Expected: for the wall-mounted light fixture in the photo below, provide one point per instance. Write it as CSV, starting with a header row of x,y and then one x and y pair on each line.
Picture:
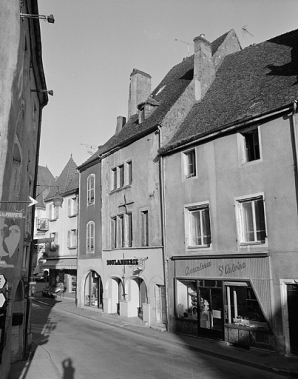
x,y
50,92
49,18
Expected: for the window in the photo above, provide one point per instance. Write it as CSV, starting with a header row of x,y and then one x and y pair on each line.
x,y
72,207
129,229
113,233
197,226
90,189
42,224
113,178
251,220
72,239
250,145
242,307
121,231
144,228
54,242
187,299
129,172
53,212
189,163
121,176
90,237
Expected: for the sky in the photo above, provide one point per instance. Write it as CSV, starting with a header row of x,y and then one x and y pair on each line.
x,y
93,46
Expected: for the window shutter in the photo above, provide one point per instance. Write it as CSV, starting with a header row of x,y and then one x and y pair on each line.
x,y
69,207
68,239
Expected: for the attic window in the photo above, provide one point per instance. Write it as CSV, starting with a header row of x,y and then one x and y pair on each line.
x,y
142,115
159,91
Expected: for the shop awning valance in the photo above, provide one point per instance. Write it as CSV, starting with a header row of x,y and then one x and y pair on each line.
x,y
61,264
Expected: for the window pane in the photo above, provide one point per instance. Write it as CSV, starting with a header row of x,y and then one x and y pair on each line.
x,y
260,220
247,220
195,228
190,163
206,227
186,299
121,176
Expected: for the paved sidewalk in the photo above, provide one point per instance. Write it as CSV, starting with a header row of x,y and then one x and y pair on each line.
x,y
41,365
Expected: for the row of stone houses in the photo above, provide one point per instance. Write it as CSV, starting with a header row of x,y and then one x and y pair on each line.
x,y
188,213
22,97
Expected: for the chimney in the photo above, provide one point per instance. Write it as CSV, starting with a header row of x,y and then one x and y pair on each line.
x,y
121,120
139,90
204,70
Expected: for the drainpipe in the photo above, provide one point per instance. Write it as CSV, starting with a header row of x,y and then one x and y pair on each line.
x,y
162,211
294,148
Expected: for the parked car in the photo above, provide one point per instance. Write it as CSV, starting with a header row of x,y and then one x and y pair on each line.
x,y
53,291
38,277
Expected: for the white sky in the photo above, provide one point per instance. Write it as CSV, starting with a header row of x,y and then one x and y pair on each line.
x,y
93,46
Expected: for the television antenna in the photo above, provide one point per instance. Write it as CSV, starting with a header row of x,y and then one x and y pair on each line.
x,y
244,30
91,148
187,43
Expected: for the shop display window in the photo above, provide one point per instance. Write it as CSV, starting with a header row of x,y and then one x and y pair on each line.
x,y
242,307
186,299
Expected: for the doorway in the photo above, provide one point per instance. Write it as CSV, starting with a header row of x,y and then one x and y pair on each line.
x,y
210,310
292,300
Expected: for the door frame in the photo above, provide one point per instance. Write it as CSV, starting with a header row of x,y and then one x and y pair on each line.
x,y
209,332
285,314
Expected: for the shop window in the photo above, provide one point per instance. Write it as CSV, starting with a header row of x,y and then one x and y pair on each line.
x,y
73,283
242,307
91,189
93,290
189,160
197,226
251,220
187,299
90,237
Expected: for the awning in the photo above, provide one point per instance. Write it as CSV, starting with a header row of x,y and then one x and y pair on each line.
x,y
61,264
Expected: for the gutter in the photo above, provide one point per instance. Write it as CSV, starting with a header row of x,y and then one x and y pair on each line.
x,y
294,148
225,129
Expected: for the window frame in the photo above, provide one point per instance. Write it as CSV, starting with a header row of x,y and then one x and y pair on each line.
x,y
144,227
189,168
241,230
90,237
91,189
242,145
72,239
73,207
189,211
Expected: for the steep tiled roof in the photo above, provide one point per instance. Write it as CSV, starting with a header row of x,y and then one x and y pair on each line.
x,y
64,180
44,179
73,185
259,79
165,94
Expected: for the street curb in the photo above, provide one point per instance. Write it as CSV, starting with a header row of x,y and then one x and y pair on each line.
x,y
283,372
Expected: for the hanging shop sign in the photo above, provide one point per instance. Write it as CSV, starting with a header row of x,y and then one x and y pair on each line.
x,y
10,214
2,300
2,281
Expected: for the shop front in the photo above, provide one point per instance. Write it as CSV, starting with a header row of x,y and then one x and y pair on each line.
x,y
223,297
134,285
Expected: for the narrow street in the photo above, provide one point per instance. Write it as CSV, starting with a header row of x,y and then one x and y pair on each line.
x,y
81,348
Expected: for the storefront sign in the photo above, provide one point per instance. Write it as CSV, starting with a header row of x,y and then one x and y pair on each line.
x,y
200,267
8,214
122,262
231,268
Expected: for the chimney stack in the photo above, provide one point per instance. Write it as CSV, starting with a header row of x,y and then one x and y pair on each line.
x,y
121,120
204,70
139,90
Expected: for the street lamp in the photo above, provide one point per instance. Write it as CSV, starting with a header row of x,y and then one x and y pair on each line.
x,y
49,18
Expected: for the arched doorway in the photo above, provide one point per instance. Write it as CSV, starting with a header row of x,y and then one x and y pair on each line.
x,y
116,289
93,291
138,295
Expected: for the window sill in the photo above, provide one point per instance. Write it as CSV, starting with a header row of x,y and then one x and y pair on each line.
x,y
72,215
53,219
200,247
247,163
120,189
253,243
88,204
71,247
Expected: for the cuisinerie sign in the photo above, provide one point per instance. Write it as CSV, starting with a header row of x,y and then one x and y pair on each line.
x,y
123,262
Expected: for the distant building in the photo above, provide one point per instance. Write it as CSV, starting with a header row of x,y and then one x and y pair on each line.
x,y
45,181
61,238
20,119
